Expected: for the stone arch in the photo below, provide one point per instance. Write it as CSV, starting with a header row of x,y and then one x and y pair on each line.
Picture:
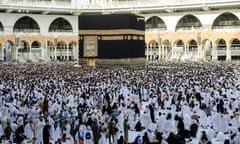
x,y
155,22
235,44
153,44
50,45
166,43
72,42
221,44
179,43
226,20
36,47
188,22
60,25
26,24
35,44
10,42
61,44
193,45
167,47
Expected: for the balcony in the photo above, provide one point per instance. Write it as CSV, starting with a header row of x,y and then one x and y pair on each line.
x,y
26,31
61,31
235,51
221,52
155,29
226,27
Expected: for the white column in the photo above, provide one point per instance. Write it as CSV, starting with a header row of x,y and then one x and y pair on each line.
x,y
30,53
55,52
147,53
159,52
63,54
165,50
16,53
76,52
2,53
162,51
67,52
151,54
72,53
214,52
199,52
185,49
228,58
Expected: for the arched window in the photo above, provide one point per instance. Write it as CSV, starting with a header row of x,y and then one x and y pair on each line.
x,y
60,25
26,24
188,22
226,20
166,43
155,23
61,45
35,44
36,47
153,44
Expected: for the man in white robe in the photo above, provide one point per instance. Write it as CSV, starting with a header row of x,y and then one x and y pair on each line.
x,y
160,126
39,130
29,130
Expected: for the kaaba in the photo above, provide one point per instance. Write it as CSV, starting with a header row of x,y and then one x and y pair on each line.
x,y
107,39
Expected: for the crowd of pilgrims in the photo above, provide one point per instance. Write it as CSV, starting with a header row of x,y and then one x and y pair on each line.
x,y
171,103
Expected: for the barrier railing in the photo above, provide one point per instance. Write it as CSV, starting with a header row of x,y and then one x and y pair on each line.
x,y
75,4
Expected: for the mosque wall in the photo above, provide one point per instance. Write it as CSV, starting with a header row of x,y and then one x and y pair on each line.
x,y
175,27
23,31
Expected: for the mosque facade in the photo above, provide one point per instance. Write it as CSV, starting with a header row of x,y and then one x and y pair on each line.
x,y
47,30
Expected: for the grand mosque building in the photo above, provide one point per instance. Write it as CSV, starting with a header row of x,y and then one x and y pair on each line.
x,y
190,30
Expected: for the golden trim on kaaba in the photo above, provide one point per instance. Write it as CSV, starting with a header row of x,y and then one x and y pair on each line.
x,y
113,32
112,37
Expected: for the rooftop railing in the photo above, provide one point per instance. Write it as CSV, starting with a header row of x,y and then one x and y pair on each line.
x,y
37,3
77,4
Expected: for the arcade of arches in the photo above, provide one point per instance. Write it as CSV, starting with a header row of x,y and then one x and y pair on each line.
x,y
187,38
226,47
191,40
28,44
39,48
